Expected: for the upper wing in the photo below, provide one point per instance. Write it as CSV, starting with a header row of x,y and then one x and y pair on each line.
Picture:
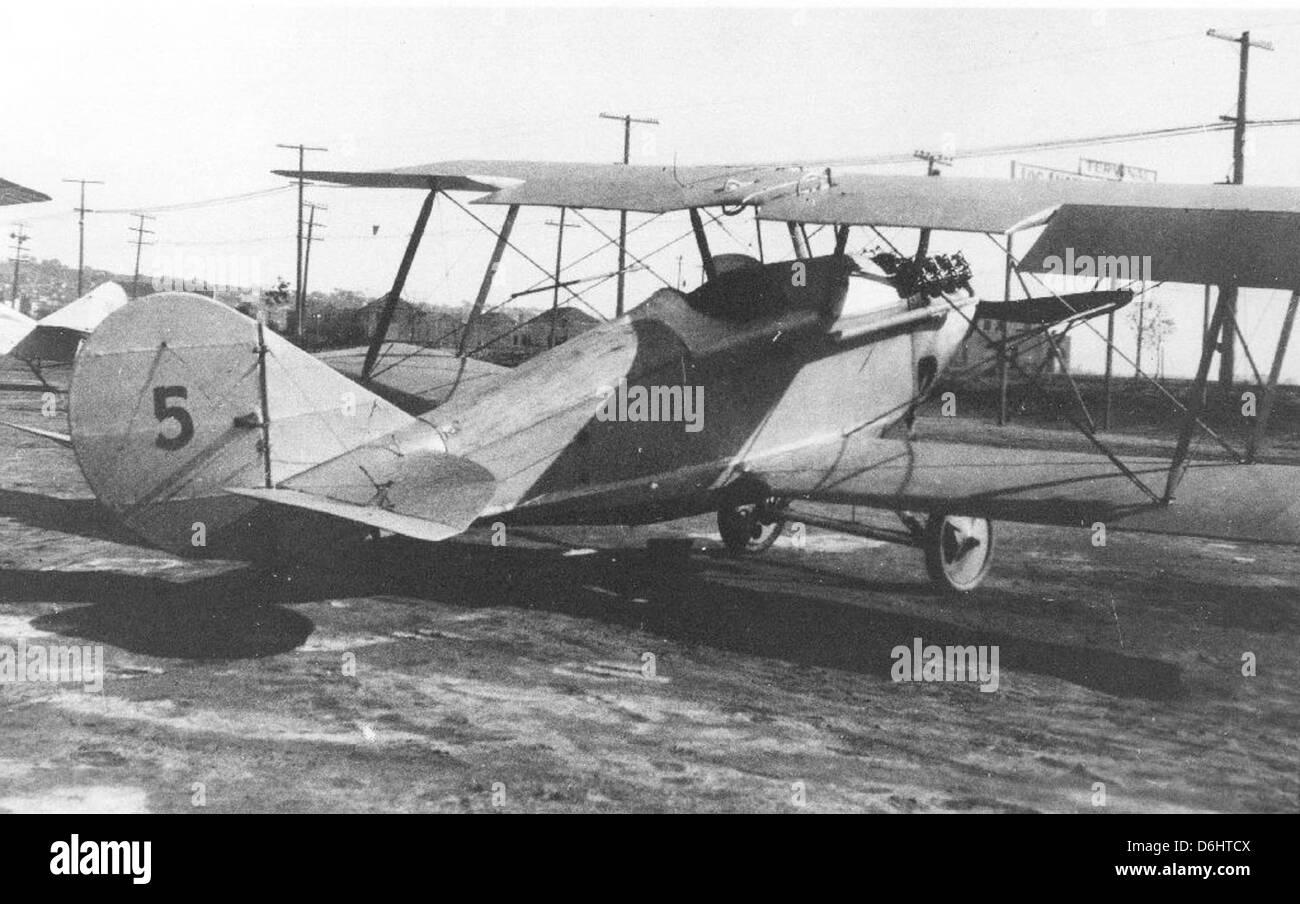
x,y
1226,234
1229,234
12,193
604,186
1211,246
963,204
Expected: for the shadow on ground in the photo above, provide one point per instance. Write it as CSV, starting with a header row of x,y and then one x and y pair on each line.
x,y
243,613
79,517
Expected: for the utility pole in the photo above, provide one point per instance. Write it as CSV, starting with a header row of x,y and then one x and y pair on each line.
x,y
81,229
20,238
627,120
139,242
932,163
299,300
1228,294
559,258
306,257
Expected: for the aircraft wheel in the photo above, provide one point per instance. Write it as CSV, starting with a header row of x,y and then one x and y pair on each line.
x,y
958,551
749,528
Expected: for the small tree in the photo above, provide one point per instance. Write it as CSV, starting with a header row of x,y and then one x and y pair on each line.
x,y
1153,325
277,296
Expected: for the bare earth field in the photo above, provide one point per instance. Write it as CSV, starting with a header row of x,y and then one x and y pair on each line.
x,y
517,678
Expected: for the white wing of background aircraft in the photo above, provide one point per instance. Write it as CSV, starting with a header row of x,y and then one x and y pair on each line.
x,y
12,193
54,339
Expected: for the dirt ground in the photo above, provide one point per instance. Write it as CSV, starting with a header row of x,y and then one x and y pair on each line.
x,y
575,671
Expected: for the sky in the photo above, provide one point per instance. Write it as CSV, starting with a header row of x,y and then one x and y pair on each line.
x,y
183,103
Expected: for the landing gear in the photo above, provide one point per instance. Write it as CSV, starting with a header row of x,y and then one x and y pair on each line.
x,y
750,526
958,551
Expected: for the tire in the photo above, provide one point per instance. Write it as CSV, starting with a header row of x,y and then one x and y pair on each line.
x,y
958,551
749,528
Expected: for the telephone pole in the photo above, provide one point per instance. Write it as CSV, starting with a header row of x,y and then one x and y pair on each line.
x,y
627,120
299,298
932,163
82,210
306,257
20,238
559,260
140,233
1228,294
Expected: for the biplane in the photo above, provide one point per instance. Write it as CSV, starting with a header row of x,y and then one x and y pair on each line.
x,y
202,430
14,325
56,337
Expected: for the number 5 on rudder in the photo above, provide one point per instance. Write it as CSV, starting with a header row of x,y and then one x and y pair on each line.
x,y
163,412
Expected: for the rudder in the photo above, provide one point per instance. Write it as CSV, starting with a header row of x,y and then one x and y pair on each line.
x,y
166,412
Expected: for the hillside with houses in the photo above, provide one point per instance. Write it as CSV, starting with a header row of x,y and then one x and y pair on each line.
x,y
337,319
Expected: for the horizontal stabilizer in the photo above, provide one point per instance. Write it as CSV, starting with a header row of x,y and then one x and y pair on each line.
x,y
405,475
407,526
62,439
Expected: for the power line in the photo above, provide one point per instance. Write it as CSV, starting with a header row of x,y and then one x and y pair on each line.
x,y
1042,145
205,202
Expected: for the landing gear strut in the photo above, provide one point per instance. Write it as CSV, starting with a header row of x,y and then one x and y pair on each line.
x,y
958,551
750,525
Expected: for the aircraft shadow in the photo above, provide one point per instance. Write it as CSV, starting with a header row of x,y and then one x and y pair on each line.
x,y
673,598
79,517
230,616
240,614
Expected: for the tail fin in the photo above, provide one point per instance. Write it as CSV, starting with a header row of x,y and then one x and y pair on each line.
x,y
177,398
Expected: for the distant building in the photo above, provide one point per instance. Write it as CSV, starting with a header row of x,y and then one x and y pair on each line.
x,y
569,322
493,335
402,325
490,329
414,324
436,329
